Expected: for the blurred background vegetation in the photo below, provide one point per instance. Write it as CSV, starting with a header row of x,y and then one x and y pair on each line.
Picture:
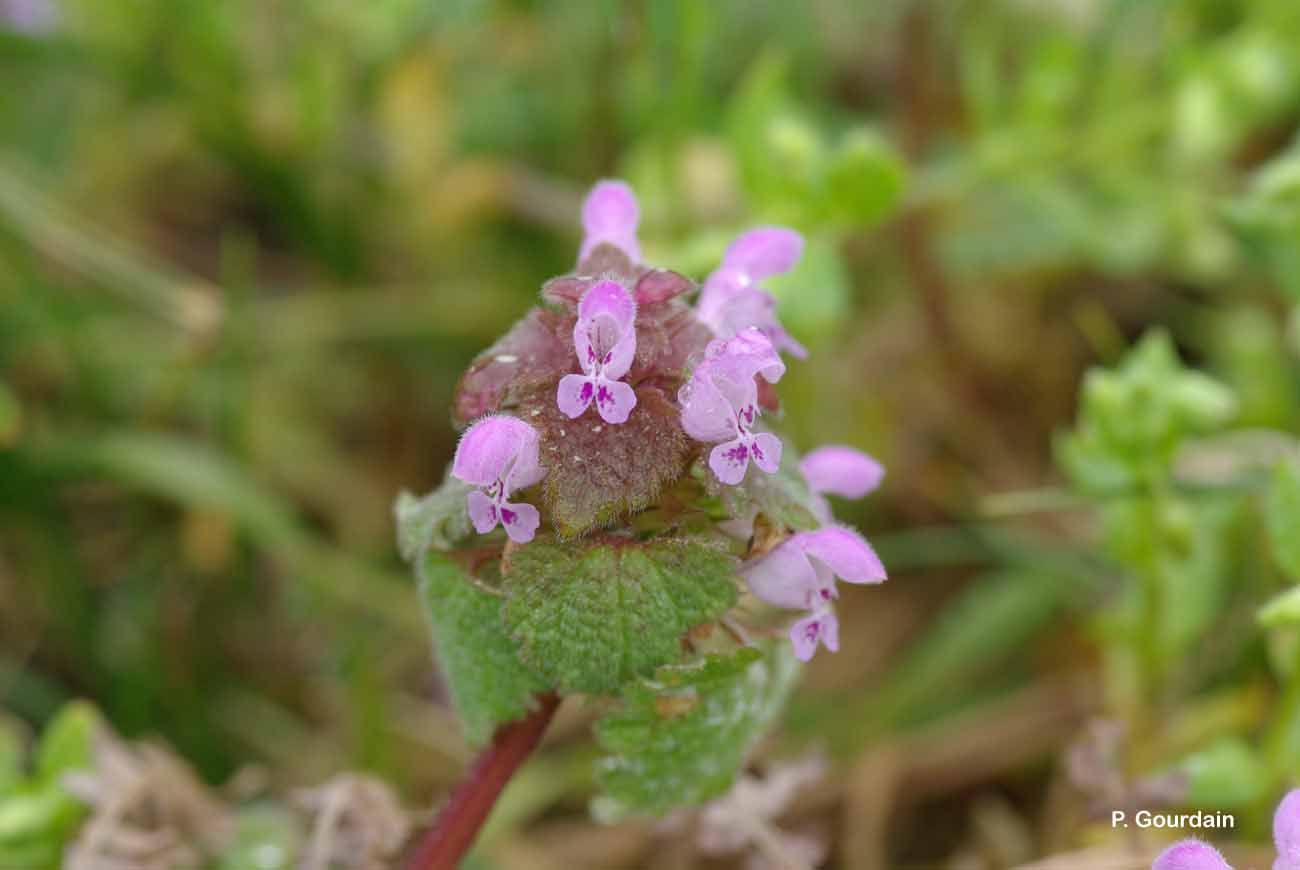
x,y
247,247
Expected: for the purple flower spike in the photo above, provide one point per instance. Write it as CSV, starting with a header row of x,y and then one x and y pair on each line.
x,y
1286,832
610,215
500,454
605,341
800,575
1190,855
732,300
841,471
720,403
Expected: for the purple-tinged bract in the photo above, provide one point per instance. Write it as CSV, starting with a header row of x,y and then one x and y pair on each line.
x,y
604,339
500,454
732,299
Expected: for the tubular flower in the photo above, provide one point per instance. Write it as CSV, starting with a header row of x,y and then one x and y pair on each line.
x,y
605,341
500,454
800,574
841,471
1190,855
720,403
732,299
1286,832
610,215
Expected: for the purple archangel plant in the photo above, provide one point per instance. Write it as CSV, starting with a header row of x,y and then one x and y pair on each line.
x,y
618,518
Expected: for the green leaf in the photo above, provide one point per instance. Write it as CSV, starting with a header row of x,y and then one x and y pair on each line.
x,y
1132,419
488,683
1283,514
863,178
592,616
681,737
1226,775
68,742
39,854
439,519
1282,610
37,819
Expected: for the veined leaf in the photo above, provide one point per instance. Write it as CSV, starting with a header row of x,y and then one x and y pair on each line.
x,y
489,684
682,737
439,519
592,616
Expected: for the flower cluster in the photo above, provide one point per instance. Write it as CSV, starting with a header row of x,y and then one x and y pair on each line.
x,y
720,403
619,341
1198,855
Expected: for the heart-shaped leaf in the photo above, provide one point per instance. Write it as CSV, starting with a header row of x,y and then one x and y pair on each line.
x,y
590,617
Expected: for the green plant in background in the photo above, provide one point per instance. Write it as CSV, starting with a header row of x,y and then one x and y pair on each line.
x,y
1193,519
39,814
1171,545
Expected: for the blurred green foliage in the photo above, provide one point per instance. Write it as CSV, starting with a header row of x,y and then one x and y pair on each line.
x,y
38,814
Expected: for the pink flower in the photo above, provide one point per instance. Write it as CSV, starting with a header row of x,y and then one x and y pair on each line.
x,y
800,574
720,403
609,216
1286,832
500,454
1190,855
605,342
841,471
821,626
732,299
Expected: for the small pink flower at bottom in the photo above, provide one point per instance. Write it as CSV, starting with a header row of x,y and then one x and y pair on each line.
x,y
732,299
720,403
610,215
1286,832
1190,855
500,454
820,627
605,340
841,471
800,574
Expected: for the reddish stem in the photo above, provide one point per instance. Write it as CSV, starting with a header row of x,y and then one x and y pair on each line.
x,y
445,843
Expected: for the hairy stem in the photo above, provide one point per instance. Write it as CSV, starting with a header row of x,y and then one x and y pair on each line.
x,y
445,843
